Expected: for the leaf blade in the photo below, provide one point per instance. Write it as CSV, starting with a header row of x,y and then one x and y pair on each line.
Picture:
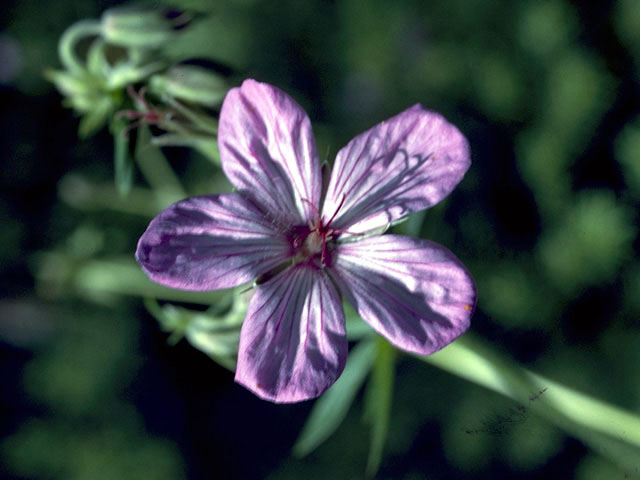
x,y
330,410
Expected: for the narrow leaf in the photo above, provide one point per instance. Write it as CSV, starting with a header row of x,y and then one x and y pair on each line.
x,y
330,410
378,403
154,166
215,335
357,329
97,63
612,431
123,162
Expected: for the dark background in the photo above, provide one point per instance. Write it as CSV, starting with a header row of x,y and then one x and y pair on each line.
x,y
548,94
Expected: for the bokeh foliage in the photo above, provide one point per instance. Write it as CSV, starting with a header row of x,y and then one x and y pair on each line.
x,y
546,219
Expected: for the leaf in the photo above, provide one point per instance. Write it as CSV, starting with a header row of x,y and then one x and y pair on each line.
x,y
155,168
123,162
214,332
612,431
357,329
95,117
97,63
330,410
378,403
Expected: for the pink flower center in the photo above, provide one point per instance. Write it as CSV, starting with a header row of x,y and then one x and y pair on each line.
x,y
314,240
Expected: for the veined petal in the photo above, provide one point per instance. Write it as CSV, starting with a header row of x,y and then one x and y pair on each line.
x,y
407,163
211,242
292,343
268,151
414,292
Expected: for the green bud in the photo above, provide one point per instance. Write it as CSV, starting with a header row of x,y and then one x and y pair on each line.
x,y
134,27
190,83
126,73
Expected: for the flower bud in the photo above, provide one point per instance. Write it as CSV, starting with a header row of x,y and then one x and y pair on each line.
x,y
190,83
134,27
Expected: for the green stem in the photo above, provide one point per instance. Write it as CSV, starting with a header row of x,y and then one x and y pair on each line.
x,y
610,430
378,403
69,39
106,281
203,123
80,193
154,166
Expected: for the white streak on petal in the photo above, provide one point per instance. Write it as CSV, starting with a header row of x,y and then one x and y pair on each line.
x,y
268,151
414,292
293,344
211,242
405,164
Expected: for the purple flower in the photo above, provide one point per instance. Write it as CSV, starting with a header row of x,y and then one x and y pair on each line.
x,y
293,344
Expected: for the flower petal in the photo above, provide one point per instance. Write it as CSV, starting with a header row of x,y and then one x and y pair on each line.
x,y
407,163
414,292
293,344
210,242
268,151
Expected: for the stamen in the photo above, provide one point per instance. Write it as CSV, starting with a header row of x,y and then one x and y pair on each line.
x,y
339,230
323,254
313,207
139,97
148,116
344,196
316,240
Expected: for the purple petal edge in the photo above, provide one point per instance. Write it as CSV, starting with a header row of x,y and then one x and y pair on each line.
x,y
413,292
407,163
209,243
268,151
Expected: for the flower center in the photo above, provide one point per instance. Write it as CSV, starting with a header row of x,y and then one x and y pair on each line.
x,y
312,242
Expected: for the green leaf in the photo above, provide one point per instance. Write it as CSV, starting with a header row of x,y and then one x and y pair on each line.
x,y
330,410
215,332
210,150
97,63
378,403
106,280
357,329
611,431
70,84
123,162
155,168
96,117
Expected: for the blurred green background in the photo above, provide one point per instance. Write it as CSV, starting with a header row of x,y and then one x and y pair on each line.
x,y
548,94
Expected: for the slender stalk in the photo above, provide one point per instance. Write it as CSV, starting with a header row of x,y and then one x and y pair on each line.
x,y
610,430
154,166
204,123
69,39
378,403
107,280
80,193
